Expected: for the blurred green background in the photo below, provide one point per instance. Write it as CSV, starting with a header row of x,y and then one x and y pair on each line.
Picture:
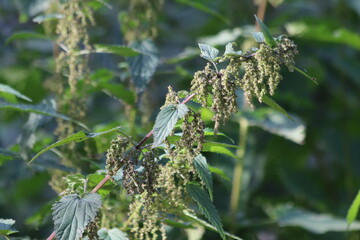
x,y
287,182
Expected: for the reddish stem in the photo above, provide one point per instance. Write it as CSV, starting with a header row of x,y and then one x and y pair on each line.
x,y
107,177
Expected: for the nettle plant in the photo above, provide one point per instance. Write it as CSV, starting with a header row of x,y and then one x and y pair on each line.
x,y
166,178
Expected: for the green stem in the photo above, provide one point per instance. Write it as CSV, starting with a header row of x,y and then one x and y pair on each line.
x,y
240,153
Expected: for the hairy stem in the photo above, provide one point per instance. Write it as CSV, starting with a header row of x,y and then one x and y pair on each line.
x,y
240,153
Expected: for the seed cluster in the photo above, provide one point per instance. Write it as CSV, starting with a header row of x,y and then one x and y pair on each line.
x,y
115,155
192,133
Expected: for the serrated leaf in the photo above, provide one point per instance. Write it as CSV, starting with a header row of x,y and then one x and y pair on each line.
x,y
208,52
72,214
258,36
22,35
269,39
112,234
143,66
229,50
207,225
10,90
47,17
204,173
76,137
271,103
353,210
199,195
166,120
123,51
6,227
305,74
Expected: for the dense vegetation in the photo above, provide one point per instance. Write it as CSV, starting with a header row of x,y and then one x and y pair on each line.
x,y
179,119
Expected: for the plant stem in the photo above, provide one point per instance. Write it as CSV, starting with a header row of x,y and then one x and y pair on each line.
x,y
107,177
236,184
261,13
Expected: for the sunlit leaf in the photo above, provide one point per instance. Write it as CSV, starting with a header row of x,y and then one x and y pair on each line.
x,y
72,214
206,206
10,90
6,227
269,39
229,50
258,36
271,103
166,120
123,51
76,137
353,210
23,35
218,148
112,234
208,52
305,74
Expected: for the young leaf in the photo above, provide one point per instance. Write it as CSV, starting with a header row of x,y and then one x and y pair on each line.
x,y
111,234
269,39
271,103
72,214
305,74
6,227
208,52
76,137
206,206
229,50
166,120
10,90
258,36
25,35
143,66
204,173
353,210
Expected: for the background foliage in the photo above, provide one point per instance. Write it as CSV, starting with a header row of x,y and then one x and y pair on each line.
x,y
292,185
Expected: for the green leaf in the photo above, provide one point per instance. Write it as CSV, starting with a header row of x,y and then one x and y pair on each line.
x,y
40,217
166,120
271,103
205,9
288,215
207,225
143,66
219,172
111,234
6,227
229,50
211,132
206,206
94,179
208,52
41,108
47,17
269,39
258,36
123,51
204,173
25,35
353,210
305,74
218,148
118,91
76,137
72,214
10,90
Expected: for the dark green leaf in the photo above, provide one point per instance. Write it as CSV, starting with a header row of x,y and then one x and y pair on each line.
x,y
218,148
353,210
211,132
208,225
76,137
271,103
206,206
166,120
25,35
269,39
204,173
219,172
94,179
10,90
144,65
305,74
208,52
111,234
72,214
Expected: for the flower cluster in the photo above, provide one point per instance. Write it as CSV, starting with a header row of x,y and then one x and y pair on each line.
x,y
115,155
